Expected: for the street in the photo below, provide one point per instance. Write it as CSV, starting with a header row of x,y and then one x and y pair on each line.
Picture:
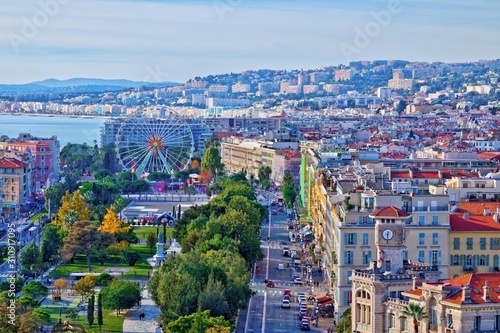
x,y
264,313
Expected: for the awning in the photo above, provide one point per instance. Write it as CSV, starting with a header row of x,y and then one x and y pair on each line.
x,y
324,299
330,302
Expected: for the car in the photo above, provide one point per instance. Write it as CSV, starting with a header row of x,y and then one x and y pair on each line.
x,y
304,326
286,297
270,284
297,280
274,211
281,209
285,304
290,225
287,292
302,302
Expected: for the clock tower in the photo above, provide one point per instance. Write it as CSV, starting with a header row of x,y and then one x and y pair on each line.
x,y
390,237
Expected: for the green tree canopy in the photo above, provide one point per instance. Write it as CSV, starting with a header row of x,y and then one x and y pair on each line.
x,y
212,160
35,289
120,294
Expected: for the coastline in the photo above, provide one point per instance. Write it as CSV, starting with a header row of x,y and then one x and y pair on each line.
x,y
54,115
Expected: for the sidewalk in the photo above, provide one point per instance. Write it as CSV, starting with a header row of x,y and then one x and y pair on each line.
x,y
132,323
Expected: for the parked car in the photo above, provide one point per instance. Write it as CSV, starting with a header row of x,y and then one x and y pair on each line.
x,y
274,211
287,292
297,280
270,284
287,297
285,304
304,326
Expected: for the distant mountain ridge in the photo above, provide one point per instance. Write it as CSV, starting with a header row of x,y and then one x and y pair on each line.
x,y
78,85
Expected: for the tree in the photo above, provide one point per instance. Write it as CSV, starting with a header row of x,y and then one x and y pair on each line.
x,y
120,294
85,286
99,310
119,205
103,279
51,243
35,289
40,316
205,177
264,173
212,160
200,321
90,310
345,324
76,203
60,284
131,257
27,302
213,298
416,312
84,238
30,259
118,247
111,224
151,241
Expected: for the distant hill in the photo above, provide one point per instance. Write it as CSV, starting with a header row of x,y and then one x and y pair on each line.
x,y
77,85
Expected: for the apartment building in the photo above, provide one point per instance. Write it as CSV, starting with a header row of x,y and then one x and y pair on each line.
x,y
15,185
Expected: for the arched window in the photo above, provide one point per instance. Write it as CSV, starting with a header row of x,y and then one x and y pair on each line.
x,y
482,260
455,260
468,260
433,313
495,261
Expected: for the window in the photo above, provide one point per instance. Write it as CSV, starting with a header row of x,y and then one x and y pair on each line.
x,y
449,321
466,185
435,238
494,243
435,220
347,297
367,257
421,220
497,323
482,243
421,255
435,257
404,324
12,180
421,238
483,260
477,323
365,239
349,274
470,243
351,238
468,260
392,320
455,260
349,257
405,254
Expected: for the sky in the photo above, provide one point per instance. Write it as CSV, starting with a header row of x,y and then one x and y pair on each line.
x,y
176,40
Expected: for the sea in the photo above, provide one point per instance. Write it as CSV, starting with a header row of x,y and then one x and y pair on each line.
x,y
67,129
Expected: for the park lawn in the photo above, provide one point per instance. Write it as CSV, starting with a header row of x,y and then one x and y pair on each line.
x,y
144,231
111,323
142,268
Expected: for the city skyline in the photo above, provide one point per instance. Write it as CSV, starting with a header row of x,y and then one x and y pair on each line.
x,y
177,40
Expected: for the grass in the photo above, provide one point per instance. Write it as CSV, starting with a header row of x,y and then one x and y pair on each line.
x,y
40,215
111,323
144,231
141,269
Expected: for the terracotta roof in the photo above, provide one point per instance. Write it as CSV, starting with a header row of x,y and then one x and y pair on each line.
x,y
476,281
417,292
488,155
390,211
449,174
476,221
11,163
426,175
400,174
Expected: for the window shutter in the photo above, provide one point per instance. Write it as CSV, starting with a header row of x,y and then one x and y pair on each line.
x,y
369,256
462,259
360,219
355,238
491,243
430,256
346,238
451,259
439,257
475,260
487,260
345,257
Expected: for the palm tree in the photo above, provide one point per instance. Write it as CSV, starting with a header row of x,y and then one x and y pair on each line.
x,y
70,218
416,312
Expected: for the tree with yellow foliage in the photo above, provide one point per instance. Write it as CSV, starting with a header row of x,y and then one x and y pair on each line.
x,y
72,203
112,224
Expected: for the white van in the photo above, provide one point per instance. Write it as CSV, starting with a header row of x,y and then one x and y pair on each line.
x,y
297,262
281,267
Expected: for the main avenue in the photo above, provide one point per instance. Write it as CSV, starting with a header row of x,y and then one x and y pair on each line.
x,y
265,312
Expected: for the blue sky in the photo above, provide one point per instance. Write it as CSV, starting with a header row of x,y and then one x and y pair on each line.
x,y
177,40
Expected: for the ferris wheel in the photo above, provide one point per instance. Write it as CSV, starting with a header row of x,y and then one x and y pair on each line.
x,y
145,145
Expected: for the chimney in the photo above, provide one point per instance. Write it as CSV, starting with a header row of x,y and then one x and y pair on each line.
x,y
466,291
486,292
466,215
417,282
496,217
486,211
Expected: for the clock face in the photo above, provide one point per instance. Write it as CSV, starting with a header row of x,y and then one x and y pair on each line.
x,y
387,234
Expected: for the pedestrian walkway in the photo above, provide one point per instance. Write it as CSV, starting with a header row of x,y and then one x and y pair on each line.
x,y
133,324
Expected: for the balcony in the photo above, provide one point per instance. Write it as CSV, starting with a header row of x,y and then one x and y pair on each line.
x,y
431,209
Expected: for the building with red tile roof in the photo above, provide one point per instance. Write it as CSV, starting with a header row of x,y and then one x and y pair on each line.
x,y
16,176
